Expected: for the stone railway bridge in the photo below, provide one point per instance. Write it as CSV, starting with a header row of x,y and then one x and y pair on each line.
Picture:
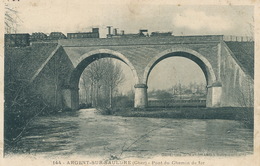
x,y
55,69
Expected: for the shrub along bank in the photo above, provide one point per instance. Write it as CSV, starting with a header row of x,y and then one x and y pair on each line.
x,y
245,115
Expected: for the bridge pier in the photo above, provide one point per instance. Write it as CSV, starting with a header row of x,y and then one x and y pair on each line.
x,y
71,98
214,95
74,98
141,100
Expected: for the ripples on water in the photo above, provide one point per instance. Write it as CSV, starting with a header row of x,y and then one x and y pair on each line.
x,y
90,134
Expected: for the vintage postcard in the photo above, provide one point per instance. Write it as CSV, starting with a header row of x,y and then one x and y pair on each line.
x,y
145,83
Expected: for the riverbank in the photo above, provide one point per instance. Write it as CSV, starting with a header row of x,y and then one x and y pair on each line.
x,y
245,115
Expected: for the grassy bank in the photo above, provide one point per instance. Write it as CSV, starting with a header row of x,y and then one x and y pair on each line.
x,y
245,115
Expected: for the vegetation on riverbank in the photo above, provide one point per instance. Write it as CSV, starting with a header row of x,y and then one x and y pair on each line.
x,y
245,115
22,106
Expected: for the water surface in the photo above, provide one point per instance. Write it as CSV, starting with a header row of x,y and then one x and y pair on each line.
x,y
87,133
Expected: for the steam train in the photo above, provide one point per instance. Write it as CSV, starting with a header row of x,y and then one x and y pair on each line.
x,y
24,39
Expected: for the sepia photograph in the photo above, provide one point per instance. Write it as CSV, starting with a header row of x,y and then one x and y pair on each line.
x,y
143,83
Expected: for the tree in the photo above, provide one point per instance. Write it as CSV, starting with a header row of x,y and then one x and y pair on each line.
x,y
113,78
163,95
180,89
84,83
102,77
11,19
95,72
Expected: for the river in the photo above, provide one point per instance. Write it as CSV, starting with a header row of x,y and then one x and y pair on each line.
x,y
86,133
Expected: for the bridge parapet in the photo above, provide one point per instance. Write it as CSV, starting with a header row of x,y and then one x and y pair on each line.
x,y
238,38
167,40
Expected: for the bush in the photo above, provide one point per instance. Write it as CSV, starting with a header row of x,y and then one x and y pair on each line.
x,y
84,105
124,101
22,106
105,111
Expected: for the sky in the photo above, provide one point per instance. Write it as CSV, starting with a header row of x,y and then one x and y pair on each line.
x,y
179,70
80,16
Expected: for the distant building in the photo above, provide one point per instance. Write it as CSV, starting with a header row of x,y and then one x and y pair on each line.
x,y
79,35
17,40
38,36
56,36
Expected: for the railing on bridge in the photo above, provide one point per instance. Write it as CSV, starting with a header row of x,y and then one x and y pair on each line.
x,y
177,103
238,38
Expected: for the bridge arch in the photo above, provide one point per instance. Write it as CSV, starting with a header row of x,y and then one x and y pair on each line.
x,y
214,88
83,62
